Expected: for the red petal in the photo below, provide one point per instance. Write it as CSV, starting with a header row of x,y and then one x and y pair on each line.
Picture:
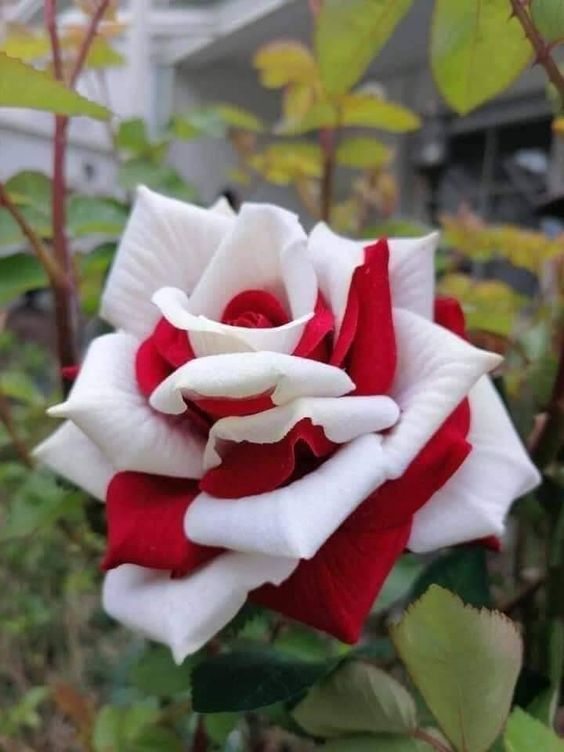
x,y
367,343
335,590
150,367
449,313
145,515
255,309
257,468
314,343
173,344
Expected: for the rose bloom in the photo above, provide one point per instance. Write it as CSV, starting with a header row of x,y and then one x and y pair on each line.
x,y
277,418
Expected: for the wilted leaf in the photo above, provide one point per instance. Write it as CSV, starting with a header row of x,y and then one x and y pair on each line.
x,y
477,50
363,152
457,656
24,86
548,16
525,734
286,62
357,698
251,678
349,33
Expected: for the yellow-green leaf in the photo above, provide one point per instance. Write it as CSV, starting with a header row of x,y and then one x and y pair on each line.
x,y
286,161
548,16
465,663
363,152
238,117
349,33
24,86
370,111
477,50
525,734
25,44
356,699
287,62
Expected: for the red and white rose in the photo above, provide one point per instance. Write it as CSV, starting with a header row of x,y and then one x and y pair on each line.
x,y
276,418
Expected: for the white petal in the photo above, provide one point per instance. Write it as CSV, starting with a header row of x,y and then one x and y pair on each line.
x,y
334,259
105,403
297,519
435,371
166,242
222,206
185,613
342,419
242,375
412,270
209,337
266,250
71,454
412,273
475,500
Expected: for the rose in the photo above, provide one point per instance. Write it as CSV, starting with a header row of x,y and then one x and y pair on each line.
x,y
277,417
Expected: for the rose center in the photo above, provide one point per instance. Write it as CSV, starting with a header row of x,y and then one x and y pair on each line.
x,y
255,309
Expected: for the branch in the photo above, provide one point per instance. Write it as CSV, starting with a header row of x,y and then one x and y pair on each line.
x,y
8,422
50,14
540,46
89,37
54,271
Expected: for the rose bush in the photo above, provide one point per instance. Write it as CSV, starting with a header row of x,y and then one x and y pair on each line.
x,y
277,417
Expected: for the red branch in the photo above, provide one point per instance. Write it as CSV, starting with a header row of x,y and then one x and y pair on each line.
x,y
89,37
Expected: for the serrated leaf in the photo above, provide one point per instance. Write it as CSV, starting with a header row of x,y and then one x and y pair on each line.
x,y
477,50
363,152
525,734
285,62
457,656
463,571
357,698
548,16
23,86
155,673
349,33
381,743
18,274
251,678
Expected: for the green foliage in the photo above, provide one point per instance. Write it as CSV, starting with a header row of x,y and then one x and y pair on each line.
x,y
24,86
158,177
18,274
95,215
357,699
155,673
548,16
376,744
285,62
477,51
363,152
457,656
463,571
525,734
349,34
247,679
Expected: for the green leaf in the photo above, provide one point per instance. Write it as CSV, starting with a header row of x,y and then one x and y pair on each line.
x,y
363,152
463,571
357,698
132,136
285,161
457,657
160,178
220,725
381,743
155,738
477,50
18,274
525,734
23,86
285,62
92,215
548,16
251,678
239,118
402,577
349,33
30,188
155,673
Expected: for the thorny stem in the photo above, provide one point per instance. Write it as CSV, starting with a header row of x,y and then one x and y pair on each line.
x,y
17,442
66,313
540,46
431,741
